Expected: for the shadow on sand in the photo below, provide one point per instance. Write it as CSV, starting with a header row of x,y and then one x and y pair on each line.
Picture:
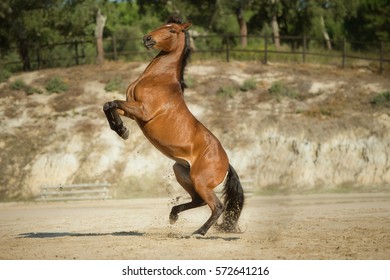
x,y
75,234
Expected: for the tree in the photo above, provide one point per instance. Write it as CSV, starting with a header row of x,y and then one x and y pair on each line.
x,y
330,16
370,22
26,24
100,22
268,13
240,8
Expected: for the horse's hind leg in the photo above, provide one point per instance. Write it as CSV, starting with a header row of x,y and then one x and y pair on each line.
x,y
206,176
182,174
114,120
216,207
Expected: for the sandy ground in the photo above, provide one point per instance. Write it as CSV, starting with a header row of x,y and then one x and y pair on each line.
x,y
328,226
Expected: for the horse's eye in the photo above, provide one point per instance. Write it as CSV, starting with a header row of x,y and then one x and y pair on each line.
x,y
172,30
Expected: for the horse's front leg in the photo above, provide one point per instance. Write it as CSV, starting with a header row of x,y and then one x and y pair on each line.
x,y
135,109
114,120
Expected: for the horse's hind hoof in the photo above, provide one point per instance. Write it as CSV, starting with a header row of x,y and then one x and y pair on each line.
x,y
197,236
173,218
198,233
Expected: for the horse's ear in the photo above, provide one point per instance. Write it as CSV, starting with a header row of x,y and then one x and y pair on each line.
x,y
185,26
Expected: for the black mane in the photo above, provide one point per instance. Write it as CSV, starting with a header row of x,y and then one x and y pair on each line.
x,y
186,51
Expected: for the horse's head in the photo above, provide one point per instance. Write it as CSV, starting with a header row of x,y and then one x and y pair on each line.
x,y
166,37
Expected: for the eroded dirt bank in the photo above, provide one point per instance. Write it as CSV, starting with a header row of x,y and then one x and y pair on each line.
x,y
290,128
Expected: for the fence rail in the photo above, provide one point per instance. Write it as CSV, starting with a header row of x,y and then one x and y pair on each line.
x,y
74,192
262,46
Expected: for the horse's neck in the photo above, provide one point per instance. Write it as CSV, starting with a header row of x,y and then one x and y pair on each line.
x,y
166,64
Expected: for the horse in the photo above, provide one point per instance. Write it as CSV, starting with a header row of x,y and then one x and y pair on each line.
x,y
155,101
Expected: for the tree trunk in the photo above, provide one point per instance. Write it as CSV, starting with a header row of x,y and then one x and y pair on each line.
x,y
24,55
275,25
243,27
100,22
325,34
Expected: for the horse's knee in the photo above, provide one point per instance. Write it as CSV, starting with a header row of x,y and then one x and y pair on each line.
x,y
109,106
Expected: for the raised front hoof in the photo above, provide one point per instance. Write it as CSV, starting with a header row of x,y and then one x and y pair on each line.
x,y
173,218
124,133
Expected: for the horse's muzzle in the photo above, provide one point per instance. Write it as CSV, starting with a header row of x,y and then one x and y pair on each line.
x,y
149,42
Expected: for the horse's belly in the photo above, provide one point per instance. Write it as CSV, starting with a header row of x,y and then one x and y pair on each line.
x,y
174,145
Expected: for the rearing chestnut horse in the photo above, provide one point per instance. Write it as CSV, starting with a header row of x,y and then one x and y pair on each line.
x,y
155,101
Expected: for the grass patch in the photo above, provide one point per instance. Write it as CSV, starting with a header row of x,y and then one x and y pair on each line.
x,y
278,90
115,84
226,92
56,85
4,75
381,99
19,84
249,84
190,82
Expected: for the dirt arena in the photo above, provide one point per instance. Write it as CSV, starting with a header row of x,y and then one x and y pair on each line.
x,y
326,226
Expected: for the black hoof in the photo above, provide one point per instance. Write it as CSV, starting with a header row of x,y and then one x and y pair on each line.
x,y
198,232
124,133
173,217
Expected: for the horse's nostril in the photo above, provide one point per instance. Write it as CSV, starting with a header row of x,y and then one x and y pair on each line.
x,y
147,38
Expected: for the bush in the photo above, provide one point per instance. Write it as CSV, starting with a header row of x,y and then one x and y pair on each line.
x,y
4,75
279,90
19,84
248,84
56,85
381,99
226,91
114,85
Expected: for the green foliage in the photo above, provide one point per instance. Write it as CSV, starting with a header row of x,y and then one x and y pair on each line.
x,y
190,81
278,90
381,99
370,22
19,84
4,75
249,84
115,84
28,26
226,92
56,85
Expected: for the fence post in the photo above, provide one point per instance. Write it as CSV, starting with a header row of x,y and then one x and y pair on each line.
x,y
381,57
76,50
114,47
304,48
344,53
227,48
266,48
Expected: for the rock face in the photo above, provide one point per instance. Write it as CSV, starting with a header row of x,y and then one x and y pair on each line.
x,y
325,159
318,131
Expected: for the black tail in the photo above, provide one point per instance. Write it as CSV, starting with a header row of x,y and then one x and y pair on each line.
x,y
233,200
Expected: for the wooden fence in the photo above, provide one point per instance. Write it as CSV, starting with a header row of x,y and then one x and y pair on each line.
x,y
74,192
79,51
